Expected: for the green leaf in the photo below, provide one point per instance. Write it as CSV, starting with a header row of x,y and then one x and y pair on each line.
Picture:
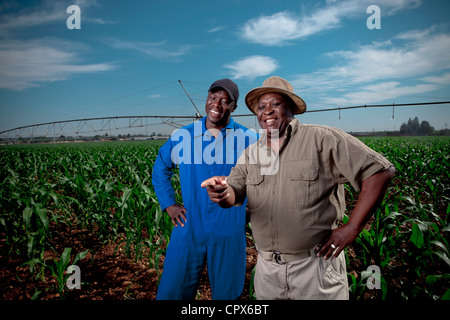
x,y
352,287
32,262
431,280
443,256
417,236
125,196
441,245
80,256
30,244
65,257
54,197
42,214
447,228
35,295
446,295
27,213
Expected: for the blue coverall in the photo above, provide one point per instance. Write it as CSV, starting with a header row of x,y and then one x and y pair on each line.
x,y
211,234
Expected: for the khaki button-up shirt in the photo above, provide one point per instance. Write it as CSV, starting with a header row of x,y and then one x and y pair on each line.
x,y
296,197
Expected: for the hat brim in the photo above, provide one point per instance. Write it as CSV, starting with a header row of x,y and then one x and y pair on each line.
x,y
252,98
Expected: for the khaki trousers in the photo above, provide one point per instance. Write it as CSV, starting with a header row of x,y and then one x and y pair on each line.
x,y
311,278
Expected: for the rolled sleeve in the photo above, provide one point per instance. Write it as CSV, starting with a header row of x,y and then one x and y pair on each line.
x,y
352,160
238,177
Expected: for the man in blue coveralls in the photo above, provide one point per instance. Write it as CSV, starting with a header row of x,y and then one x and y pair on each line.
x,y
203,232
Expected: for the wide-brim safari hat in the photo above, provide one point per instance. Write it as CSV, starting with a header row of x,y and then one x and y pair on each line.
x,y
278,85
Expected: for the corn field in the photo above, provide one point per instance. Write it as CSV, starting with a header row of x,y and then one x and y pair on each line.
x,y
63,204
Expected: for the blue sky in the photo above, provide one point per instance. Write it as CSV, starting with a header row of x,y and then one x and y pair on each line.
x,y
128,56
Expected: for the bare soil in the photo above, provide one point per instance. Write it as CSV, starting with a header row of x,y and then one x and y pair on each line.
x,y
106,273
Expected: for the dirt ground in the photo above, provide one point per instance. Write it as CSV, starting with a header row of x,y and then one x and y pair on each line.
x,y
106,273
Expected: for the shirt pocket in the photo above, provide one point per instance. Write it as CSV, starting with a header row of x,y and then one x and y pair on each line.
x,y
303,183
255,187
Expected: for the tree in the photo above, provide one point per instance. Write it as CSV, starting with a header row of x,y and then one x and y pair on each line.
x,y
404,128
426,128
414,128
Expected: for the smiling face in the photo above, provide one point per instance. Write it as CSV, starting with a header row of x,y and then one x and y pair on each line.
x,y
218,109
274,112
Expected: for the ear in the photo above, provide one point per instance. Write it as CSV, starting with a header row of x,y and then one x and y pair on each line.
x,y
290,104
232,105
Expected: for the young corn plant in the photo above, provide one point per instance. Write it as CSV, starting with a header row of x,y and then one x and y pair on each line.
x,y
59,267
105,189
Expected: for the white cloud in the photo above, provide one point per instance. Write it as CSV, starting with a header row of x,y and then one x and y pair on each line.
x,y
216,29
31,63
272,30
159,50
441,79
383,91
252,67
31,19
281,28
406,65
46,13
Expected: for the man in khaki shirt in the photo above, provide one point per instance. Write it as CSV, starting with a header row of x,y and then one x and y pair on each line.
x,y
293,179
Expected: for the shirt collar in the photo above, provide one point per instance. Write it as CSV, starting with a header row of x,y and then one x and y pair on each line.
x,y
293,126
291,129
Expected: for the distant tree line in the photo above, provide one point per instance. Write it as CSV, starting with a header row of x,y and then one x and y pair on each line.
x,y
414,128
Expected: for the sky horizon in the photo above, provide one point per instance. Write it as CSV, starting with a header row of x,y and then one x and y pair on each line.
x,y
128,57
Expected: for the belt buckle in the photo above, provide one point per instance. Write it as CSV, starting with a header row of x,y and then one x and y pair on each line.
x,y
277,257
